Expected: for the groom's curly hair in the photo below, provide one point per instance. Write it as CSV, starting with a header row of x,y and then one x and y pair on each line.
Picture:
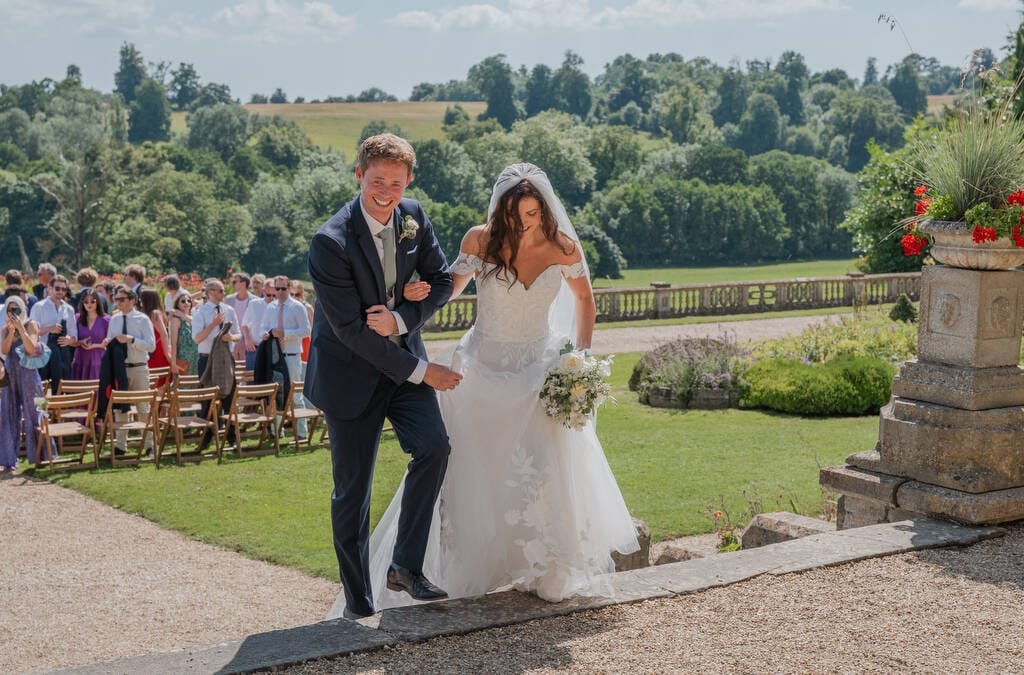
x,y
386,147
506,228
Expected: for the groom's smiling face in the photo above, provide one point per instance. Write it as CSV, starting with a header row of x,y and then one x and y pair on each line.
x,y
382,186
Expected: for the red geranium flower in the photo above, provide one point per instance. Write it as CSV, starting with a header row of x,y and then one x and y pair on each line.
x,y
983,234
920,190
1016,198
1018,240
922,205
913,244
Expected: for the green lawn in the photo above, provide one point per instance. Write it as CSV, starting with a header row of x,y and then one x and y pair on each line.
x,y
338,125
671,466
710,275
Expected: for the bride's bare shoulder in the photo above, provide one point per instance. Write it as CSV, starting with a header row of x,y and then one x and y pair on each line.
x,y
475,241
568,250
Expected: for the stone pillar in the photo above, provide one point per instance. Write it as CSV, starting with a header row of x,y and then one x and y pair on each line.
x,y
951,439
662,299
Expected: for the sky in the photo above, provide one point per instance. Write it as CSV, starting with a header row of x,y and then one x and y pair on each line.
x,y
320,48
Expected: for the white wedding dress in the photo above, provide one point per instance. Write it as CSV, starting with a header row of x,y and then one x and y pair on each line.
x,y
526,503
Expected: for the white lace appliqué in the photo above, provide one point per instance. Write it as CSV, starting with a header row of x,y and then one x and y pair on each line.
x,y
466,263
574,271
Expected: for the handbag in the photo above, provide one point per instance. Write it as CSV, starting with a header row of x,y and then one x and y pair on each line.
x,y
34,361
181,366
4,380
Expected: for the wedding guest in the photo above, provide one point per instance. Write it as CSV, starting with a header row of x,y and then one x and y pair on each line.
x,y
172,289
239,301
286,320
92,323
86,279
44,273
298,293
149,303
206,326
58,328
134,329
18,412
14,278
134,276
183,347
253,319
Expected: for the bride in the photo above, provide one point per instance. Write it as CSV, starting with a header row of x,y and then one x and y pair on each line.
x,y
526,503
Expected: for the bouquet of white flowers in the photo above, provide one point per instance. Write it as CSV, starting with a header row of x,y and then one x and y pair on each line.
x,y
575,387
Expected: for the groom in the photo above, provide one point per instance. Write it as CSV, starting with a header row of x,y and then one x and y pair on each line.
x,y
367,362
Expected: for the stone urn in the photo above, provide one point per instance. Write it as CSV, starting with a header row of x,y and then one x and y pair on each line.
x,y
953,245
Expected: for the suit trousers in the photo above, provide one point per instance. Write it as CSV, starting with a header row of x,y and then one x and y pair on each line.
x,y
138,380
416,418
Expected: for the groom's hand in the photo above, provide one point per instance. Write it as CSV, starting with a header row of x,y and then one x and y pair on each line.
x,y
440,377
381,321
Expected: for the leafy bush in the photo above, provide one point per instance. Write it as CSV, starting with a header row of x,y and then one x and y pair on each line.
x,y
688,364
844,386
903,310
867,333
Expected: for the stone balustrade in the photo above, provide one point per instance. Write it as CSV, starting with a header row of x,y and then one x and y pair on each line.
x,y
664,301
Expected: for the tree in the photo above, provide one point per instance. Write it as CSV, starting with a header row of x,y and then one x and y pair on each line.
x,y
716,164
678,108
130,73
223,128
555,141
447,173
908,90
732,98
211,93
149,116
571,86
540,94
628,80
258,98
613,151
283,145
374,127
73,74
493,77
760,125
870,72
793,69
374,95
278,96
862,116
185,87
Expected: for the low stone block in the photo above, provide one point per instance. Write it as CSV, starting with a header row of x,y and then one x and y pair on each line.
x,y
971,451
853,511
773,528
970,317
869,460
988,508
637,559
960,386
851,480
673,553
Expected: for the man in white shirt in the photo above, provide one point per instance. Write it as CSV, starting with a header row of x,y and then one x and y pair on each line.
x,y
57,325
134,329
251,325
206,325
286,320
240,301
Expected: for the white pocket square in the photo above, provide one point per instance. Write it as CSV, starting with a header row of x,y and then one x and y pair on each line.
x,y
412,250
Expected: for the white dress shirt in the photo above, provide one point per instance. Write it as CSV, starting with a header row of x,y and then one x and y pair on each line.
x,y
240,306
143,341
46,314
203,317
295,320
375,228
254,317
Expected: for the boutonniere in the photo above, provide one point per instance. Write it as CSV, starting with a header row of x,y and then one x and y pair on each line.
x,y
409,228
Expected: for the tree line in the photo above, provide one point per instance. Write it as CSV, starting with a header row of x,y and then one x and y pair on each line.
x,y
661,161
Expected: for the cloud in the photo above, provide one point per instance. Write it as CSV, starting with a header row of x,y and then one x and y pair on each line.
x,y
519,15
88,16
277,21
989,5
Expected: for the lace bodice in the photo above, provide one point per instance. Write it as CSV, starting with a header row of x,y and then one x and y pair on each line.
x,y
514,313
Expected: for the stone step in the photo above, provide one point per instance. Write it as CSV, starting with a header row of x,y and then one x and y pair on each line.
x,y
339,637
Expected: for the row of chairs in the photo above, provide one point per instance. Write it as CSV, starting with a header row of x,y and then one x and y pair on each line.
x,y
177,410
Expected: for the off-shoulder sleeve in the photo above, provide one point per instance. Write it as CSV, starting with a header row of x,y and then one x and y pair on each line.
x,y
466,263
574,271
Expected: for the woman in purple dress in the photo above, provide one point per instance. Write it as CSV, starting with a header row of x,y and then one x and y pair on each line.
x,y
17,405
92,330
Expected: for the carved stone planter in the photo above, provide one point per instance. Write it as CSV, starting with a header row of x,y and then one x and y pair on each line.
x,y
953,245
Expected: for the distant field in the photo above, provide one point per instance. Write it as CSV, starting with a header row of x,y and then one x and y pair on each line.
x,y
337,125
937,102
709,275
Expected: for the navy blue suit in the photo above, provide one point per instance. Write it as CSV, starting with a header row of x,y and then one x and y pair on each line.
x,y
358,378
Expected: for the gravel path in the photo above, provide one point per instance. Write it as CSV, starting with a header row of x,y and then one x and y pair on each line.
x,y
82,582
948,611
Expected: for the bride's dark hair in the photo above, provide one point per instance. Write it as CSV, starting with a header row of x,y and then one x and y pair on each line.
x,y
506,228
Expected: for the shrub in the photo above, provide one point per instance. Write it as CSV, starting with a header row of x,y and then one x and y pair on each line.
x,y
867,333
844,386
904,310
688,364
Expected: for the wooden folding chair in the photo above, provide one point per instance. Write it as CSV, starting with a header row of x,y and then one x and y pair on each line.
x,y
184,416
292,415
68,415
186,381
243,376
253,405
77,387
145,424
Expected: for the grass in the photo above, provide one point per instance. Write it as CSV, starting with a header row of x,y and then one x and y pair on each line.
x,y
671,466
679,276
338,125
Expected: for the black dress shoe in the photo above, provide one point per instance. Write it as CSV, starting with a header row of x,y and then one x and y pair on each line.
x,y
413,583
352,616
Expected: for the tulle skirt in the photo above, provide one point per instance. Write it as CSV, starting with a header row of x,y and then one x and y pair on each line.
x,y
526,503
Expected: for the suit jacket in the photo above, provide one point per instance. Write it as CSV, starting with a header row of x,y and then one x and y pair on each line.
x,y
346,358
270,366
220,366
113,374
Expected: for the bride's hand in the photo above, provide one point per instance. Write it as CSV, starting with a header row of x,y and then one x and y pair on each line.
x,y
416,291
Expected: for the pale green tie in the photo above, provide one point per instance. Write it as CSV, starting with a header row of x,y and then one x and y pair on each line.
x,y
387,235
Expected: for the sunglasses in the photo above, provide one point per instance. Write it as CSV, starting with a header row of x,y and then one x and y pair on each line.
x,y
63,289
121,298
296,295
281,288
185,301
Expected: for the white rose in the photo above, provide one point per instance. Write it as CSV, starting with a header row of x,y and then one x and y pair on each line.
x,y
570,362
